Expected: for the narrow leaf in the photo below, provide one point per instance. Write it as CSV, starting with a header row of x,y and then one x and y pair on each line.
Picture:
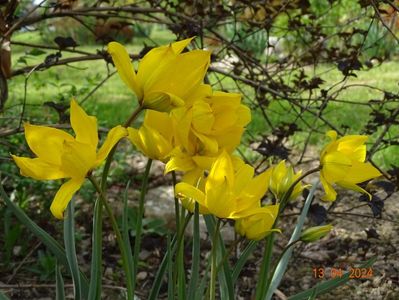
x,y
49,241
96,252
59,284
69,240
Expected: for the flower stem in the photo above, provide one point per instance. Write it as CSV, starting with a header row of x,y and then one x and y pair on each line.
x,y
137,241
264,276
125,261
212,284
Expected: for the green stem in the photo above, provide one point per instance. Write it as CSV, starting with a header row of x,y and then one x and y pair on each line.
x,y
265,267
212,284
125,261
137,241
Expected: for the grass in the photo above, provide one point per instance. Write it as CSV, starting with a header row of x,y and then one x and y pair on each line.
x,y
113,102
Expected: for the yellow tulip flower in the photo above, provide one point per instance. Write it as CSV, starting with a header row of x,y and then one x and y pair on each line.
x,y
230,191
155,136
60,155
211,123
166,77
259,224
342,163
281,180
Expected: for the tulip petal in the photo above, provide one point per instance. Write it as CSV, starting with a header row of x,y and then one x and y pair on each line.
x,y
64,195
185,190
360,172
182,163
123,64
46,142
353,187
180,75
38,169
84,126
78,159
113,137
179,46
330,193
335,166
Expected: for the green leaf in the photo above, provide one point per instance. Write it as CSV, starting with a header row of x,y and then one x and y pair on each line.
x,y
195,264
283,263
69,240
3,296
243,259
59,283
226,285
327,286
46,239
125,231
96,258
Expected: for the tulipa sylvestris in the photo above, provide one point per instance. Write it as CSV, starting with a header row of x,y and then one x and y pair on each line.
x,y
165,77
60,155
342,163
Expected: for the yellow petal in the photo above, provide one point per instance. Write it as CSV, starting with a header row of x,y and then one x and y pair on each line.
x,y
351,186
179,46
185,190
162,101
259,185
203,117
113,137
210,144
221,171
122,62
84,126
46,142
37,168
360,172
331,194
150,142
64,195
335,166
78,159
243,177
259,224
230,139
179,163
181,75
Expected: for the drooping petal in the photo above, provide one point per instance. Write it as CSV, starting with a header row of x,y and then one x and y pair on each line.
x,y
46,142
122,62
77,159
351,186
64,195
113,137
38,169
330,193
84,126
